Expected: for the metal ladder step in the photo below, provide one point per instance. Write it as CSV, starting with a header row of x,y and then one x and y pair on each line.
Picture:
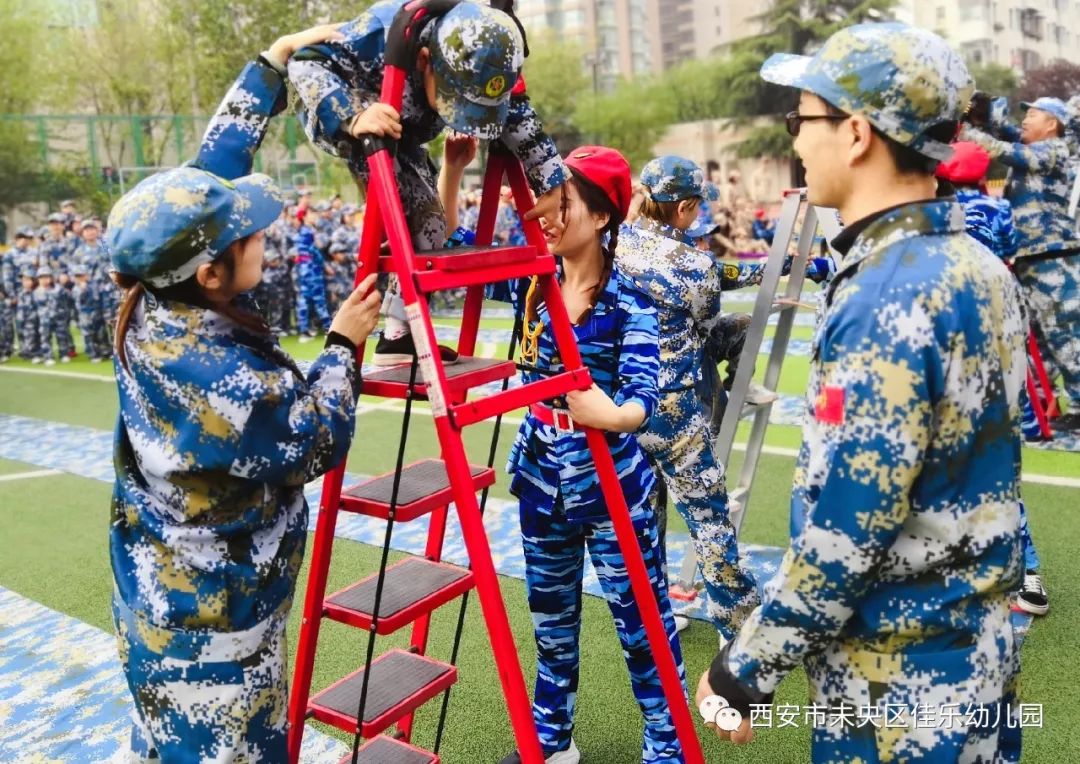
x,y
400,682
424,486
412,587
467,373
388,750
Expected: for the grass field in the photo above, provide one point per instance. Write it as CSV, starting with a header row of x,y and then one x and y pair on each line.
x,y
54,542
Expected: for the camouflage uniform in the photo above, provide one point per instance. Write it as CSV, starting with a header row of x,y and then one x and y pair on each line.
x,y
338,80
342,274
683,283
310,280
55,313
896,588
1048,250
7,323
91,321
563,514
28,324
218,433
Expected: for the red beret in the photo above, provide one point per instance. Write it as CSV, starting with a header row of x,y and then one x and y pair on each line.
x,y
607,169
967,166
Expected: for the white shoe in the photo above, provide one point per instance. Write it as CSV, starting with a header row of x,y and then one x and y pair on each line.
x,y
95,360
758,395
65,359
36,360
570,756
682,623
304,338
50,362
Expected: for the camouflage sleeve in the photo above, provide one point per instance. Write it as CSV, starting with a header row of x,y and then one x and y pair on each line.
x,y
337,80
739,275
869,427
1036,157
237,129
705,303
639,358
525,137
1004,232
294,434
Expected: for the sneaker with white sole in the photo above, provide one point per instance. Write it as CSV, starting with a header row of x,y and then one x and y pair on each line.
x,y
50,362
401,350
65,359
759,395
570,756
1032,595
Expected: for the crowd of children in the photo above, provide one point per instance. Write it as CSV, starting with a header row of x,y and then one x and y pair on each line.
x,y
50,279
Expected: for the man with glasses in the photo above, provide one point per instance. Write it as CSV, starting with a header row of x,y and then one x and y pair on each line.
x,y
895,591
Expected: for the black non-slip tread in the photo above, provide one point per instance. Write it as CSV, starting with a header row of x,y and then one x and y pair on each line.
x,y
395,677
419,480
406,583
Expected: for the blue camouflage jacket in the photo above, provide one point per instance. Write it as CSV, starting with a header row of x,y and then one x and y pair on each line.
x,y
217,434
337,80
619,345
684,283
1038,189
905,506
989,220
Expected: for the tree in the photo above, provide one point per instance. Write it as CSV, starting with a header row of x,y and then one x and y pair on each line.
x,y
629,119
997,80
1058,79
557,85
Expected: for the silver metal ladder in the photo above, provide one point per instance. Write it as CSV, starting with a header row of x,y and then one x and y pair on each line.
x,y
766,305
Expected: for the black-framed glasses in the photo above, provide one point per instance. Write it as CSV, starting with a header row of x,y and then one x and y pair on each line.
x,y
793,120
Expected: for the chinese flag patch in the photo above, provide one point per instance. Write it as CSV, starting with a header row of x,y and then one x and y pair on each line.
x,y
829,405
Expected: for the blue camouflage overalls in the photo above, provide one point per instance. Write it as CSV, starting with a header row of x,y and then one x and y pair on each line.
x,y
310,282
563,514
217,435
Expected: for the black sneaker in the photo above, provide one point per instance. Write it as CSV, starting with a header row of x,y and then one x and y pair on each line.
x,y
1032,596
401,350
1066,422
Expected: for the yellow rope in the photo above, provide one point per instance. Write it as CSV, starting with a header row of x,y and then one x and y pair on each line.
x,y
530,337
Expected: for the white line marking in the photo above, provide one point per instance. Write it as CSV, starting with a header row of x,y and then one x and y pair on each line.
x,y
24,475
69,374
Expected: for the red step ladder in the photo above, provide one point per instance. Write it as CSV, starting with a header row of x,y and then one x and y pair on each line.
x,y
387,690
1040,391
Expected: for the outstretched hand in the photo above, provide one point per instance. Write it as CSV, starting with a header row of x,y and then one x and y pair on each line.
x,y
743,734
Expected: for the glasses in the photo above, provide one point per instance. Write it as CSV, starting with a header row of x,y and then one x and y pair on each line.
x,y
793,120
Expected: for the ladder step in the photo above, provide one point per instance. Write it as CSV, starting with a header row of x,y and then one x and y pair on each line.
x,y
470,266
412,587
471,412
424,486
386,750
467,373
400,682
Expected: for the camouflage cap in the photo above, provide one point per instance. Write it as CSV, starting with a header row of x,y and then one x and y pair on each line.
x,y
25,232
1055,107
672,178
56,217
79,270
904,80
476,56
44,271
172,222
702,228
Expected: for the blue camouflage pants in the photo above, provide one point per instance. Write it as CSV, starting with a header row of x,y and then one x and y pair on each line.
x,y
1052,291
30,345
311,291
7,328
95,337
60,328
1031,557
679,442
200,710
554,564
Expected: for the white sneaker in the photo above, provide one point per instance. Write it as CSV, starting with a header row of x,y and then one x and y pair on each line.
x,y
50,362
95,360
36,360
758,395
304,338
65,359
570,756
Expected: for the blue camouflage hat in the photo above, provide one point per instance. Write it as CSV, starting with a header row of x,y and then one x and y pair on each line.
x,y
56,217
672,178
702,228
79,270
904,80
44,271
476,56
25,232
173,222
1055,107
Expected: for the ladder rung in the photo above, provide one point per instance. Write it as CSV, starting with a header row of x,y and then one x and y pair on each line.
x,y
467,373
400,682
412,587
424,486
465,258
433,281
471,412
780,308
386,750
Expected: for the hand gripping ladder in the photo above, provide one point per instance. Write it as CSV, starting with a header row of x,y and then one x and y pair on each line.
x,y
387,690
766,305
